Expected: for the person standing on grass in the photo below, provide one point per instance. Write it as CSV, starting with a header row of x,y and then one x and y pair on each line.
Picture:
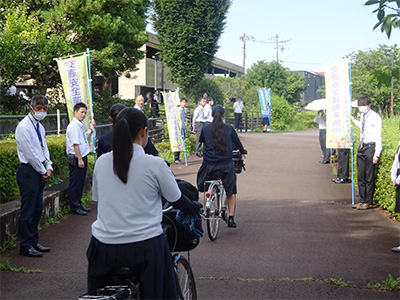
x,y
34,170
368,152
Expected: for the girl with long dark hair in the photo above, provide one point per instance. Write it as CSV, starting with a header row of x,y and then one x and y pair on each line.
x,y
218,141
128,185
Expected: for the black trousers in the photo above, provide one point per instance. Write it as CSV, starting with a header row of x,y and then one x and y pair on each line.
x,y
238,120
366,173
77,178
197,128
343,169
31,190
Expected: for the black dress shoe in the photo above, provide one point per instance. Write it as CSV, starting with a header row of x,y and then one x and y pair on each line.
x,y
340,181
41,248
324,162
31,252
199,154
87,209
79,211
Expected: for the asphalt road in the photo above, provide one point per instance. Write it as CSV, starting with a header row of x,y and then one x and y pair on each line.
x,y
297,236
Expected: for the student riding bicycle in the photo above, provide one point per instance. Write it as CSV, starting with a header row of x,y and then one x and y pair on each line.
x,y
218,141
128,185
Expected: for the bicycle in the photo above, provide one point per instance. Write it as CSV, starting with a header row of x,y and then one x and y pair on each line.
x,y
125,280
216,208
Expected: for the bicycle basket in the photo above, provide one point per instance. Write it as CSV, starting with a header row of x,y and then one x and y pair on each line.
x,y
179,238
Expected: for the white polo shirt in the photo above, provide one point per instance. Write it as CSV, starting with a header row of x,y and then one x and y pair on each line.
x,y
76,135
238,107
131,212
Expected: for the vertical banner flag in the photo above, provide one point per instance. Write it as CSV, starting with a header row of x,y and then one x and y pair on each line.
x,y
174,121
338,130
265,102
75,81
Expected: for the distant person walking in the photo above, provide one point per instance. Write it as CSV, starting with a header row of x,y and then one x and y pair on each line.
x,y
198,122
208,110
237,112
77,152
368,152
320,118
34,170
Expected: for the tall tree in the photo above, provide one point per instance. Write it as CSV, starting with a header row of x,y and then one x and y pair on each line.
x,y
279,79
115,29
188,31
364,66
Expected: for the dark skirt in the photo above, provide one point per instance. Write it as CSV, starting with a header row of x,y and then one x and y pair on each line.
x,y
228,178
151,258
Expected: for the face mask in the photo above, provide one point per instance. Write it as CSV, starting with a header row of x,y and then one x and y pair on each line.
x,y
39,115
363,109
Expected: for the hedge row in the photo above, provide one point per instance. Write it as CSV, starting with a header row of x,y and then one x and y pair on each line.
x,y
385,192
9,162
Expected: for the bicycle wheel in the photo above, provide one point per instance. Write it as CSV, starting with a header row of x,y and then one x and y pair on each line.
x,y
213,213
184,278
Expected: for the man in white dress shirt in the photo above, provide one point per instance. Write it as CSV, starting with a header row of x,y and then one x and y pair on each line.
x,y
198,122
369,151
34,170
139,102
77,150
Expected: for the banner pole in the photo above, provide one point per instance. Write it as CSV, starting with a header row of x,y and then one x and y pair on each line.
x,y
91,103
351,138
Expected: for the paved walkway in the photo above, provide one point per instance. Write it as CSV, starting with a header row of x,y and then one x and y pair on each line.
x,y
296,231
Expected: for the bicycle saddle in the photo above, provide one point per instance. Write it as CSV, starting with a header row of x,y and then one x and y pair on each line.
x,y
216,175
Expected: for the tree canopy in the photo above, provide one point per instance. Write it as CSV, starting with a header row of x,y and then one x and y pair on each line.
x,y
188,31
279,79
365,64
32,33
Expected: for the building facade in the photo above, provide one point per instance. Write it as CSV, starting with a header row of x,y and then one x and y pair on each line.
x,y
314,82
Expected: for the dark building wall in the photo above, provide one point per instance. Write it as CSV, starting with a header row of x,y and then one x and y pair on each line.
x,y
314,82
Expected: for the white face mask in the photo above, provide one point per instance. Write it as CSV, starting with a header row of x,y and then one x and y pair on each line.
x,y
39,115
363,109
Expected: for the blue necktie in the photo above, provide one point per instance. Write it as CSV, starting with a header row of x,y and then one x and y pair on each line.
x,y
39,135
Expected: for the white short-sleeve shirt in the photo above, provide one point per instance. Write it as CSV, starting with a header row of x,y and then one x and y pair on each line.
x,y
76,136
131,212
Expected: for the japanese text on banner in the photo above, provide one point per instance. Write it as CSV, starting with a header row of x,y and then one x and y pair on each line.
x,y
338,105
264,96
174,121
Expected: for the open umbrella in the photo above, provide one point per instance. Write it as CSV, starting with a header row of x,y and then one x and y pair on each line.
x,y
317,105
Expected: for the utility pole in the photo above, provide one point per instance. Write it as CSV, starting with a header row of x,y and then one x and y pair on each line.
x,y
244,38
277,42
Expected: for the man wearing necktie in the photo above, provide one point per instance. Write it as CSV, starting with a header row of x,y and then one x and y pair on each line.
x,y
369,151
34,170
